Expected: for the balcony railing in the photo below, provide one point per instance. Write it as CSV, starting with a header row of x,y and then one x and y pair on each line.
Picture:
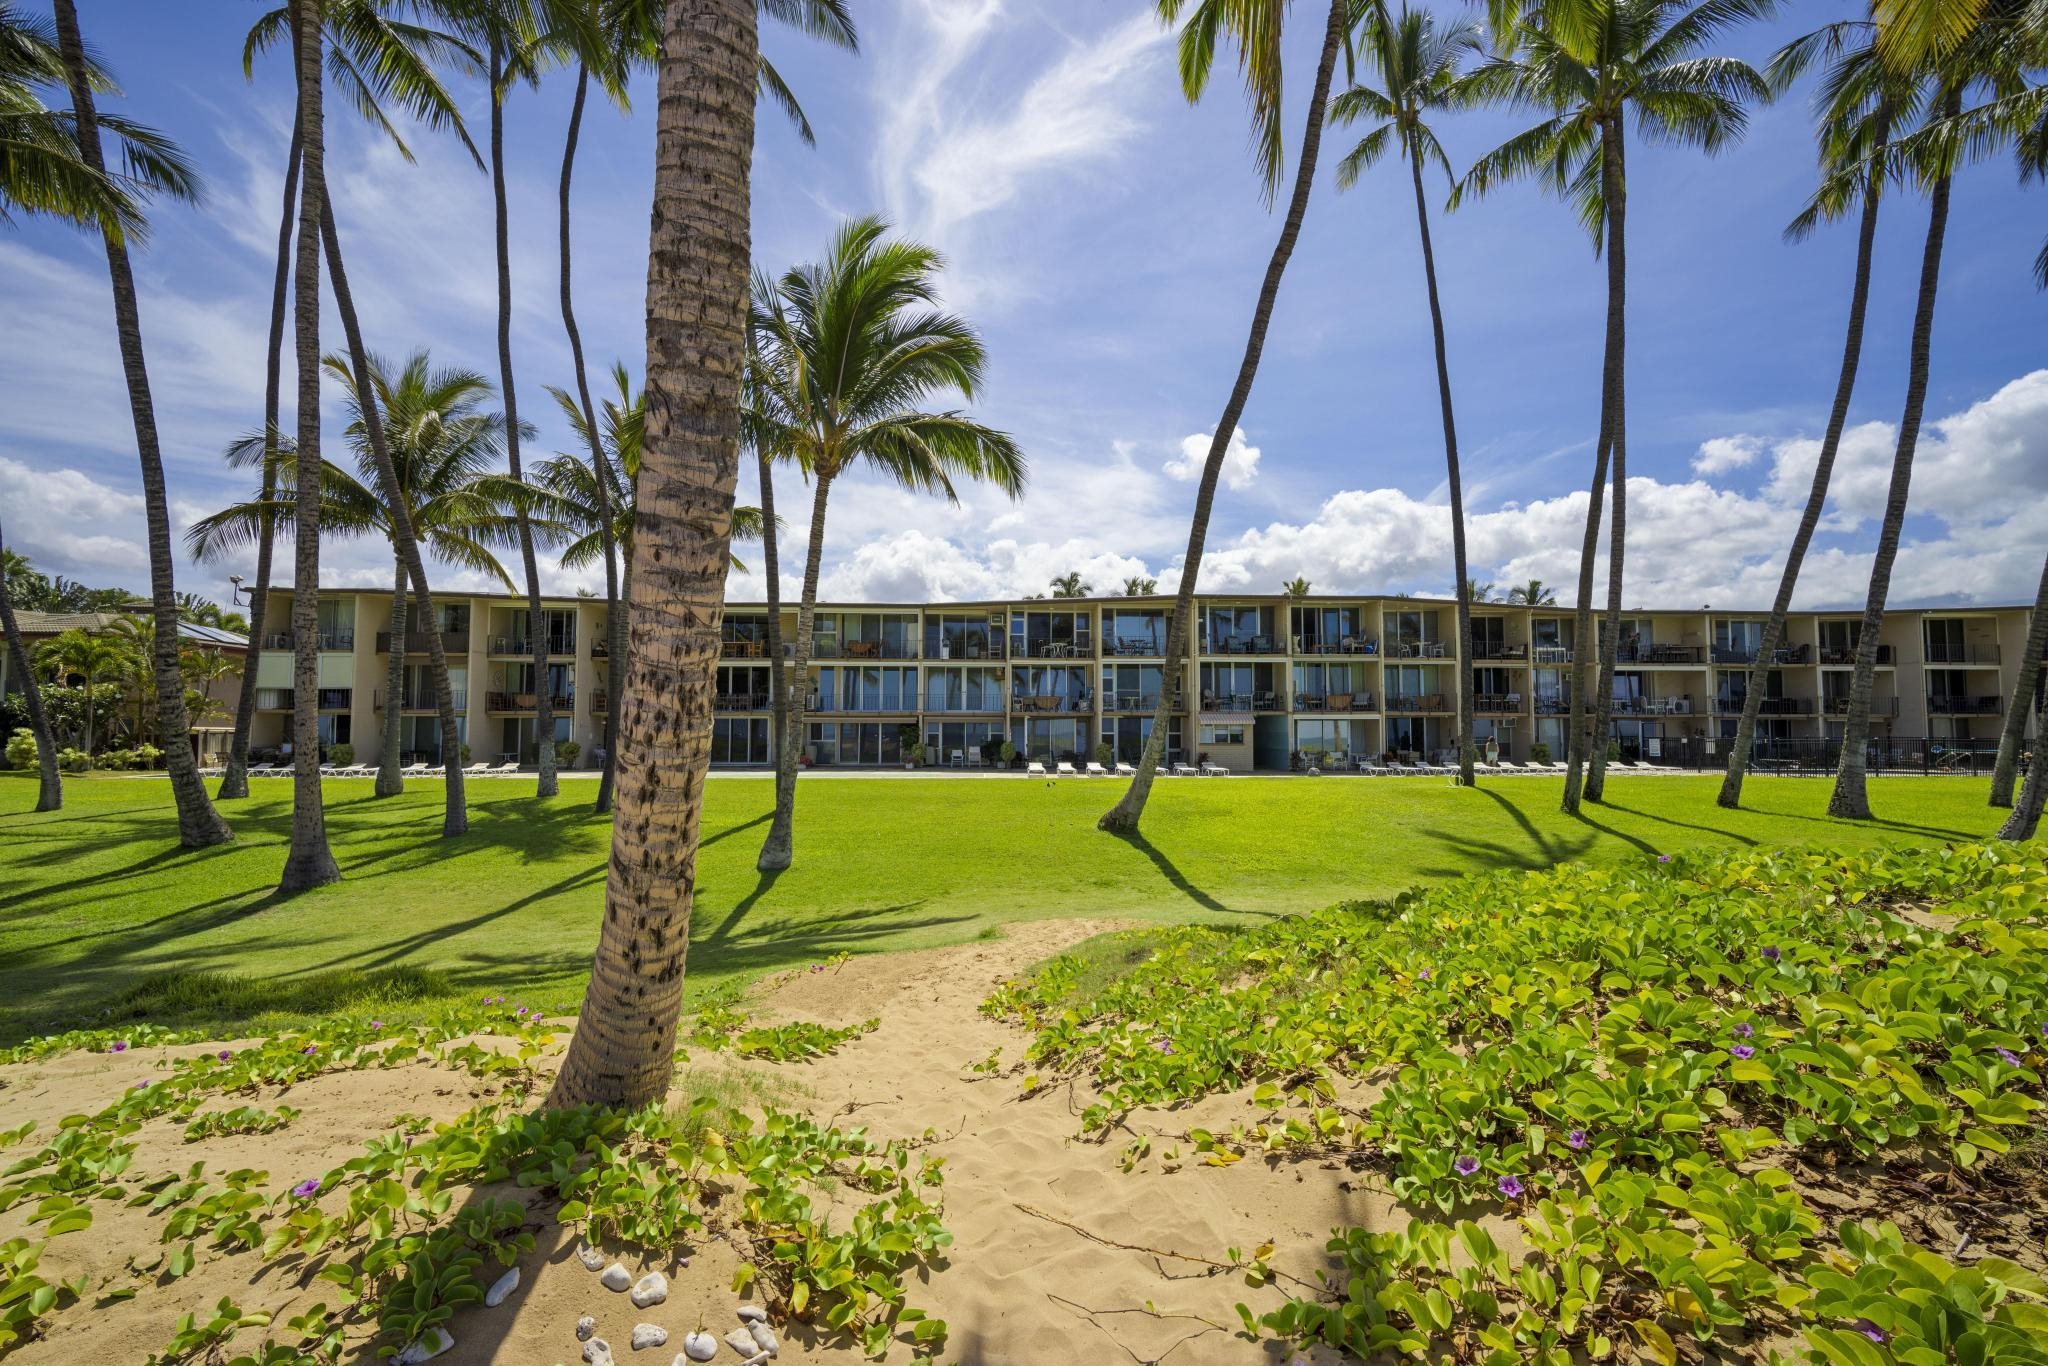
x,y
322,640
1051,703
862,649
1660,654
1417,702
725,701
1241,645
1847,657
526,701
1333,701
832,706
523,645
1551,654
600,700
1419,649
452,642
1957,705
734,649
984,706
995,647
1143,647
1879,706
1962,654
273,699
1498,649
1342,645
1496,704
1669,704
1781,706
280,699
1138,701
424,699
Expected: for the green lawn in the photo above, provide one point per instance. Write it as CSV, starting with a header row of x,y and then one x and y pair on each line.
x,y
98,898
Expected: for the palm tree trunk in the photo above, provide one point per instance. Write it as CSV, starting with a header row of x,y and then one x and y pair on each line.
x,y
543,700
88,719
1615,400
455,808
780,846
1443,386
309,863
623,1051
614,628
1816,497
235,782
778,703
50,797
199,825
1124,816
2024,687
1851,799
1582,629
2026,816
389,781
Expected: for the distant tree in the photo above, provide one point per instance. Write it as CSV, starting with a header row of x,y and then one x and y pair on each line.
x,y
95,658
1477,591
1071,585
1138,587
1534,593
1296,587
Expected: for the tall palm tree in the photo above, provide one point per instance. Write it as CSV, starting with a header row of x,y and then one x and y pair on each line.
x,y
92,656
308,862
1534,593
441,490
1417,59
2026,685
1137,586
50,796
623,1050
373,58
1478,591
1590,65
1296,587
1856,106
1255,26
1071,585
199,825
847,351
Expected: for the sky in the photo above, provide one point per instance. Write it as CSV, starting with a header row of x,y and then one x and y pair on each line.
x,y
1107,239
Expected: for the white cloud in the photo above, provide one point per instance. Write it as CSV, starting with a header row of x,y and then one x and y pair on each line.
x,y
1240,459
1725,453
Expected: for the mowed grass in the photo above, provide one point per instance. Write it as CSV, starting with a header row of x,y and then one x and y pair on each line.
x,y
102,916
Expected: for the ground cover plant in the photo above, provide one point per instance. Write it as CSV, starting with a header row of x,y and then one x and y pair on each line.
x,y
1647,1071
105,920
402,1235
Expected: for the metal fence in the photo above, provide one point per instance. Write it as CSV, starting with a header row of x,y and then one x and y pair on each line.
x,y
1813,756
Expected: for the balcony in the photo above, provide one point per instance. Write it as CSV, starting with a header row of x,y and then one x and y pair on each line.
x,y
1051,704
1498,649
1417,702
1661,654
1670,704
1141,702
1879,706
1962,654
1241,645
522,645
1782,706
729,649
995,647
1496,704
1334,701
1140,647
1551,655
1418,649
280,699
832,706
526,701
600,646
322,640
862,649
1845,658
725,701
1955,704
452,642
424,699
600,700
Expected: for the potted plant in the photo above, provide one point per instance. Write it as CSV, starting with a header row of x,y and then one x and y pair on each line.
x,y
1539,752
1009,752
913,757
1104,755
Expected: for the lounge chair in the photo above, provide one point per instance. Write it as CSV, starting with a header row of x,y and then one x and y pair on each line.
x,y
1067,770
1186,771
505,769
1096,770
1215,771
262,770
1124,770
416,770
1034,769
480,766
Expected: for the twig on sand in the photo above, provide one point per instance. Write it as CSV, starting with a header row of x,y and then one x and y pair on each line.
x,y
1214,1266
1148,1312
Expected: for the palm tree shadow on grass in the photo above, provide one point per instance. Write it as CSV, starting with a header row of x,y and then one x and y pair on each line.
x,y
763,884
1172,874
1721,830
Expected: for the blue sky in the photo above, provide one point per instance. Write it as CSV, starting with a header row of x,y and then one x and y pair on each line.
x,y
1108,239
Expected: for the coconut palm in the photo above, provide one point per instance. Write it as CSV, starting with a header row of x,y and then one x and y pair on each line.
x,y
374,59
1070,585
1591,65
1986,58
1255,26
1296,587
1138,586
1534,593
443,449
94,658
50,796
623,1050
1856,106
2026,686
847,351
199,825
1417,60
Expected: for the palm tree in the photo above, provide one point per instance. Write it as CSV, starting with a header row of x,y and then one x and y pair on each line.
x,y
373,58
1417,61
2026,685
623,1050
199,825
90,656
846,351
50,796
1070,585
1856,107
1534,593
1987,56
1255,26
1590,64
442,450
1138,586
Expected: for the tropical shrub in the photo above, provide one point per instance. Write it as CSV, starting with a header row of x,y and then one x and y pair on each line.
x,y
566,752
1539,752
341,755
73,760
22,751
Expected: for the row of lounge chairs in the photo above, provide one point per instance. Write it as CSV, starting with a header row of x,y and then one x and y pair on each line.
x,y
1037,769
416,769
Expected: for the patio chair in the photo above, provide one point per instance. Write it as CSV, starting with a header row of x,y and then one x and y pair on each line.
x,y
1124,770
1035,769
263,769
1096,770
1185,771
1067,770
974,758
417,769
511,766
958,759
480,766
1215,771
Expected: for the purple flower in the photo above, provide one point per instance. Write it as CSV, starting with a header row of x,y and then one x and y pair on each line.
x,y
376,1024
310,1049
1871,1331
1465,1166
1663,858
1509,1186
118,1046
1577,1138
141,1085
1164,1046
2009,1056
309,1187
817,967
1771,953
2044,1031
1744,1030
224,1055
522,1010
1424,974
1743,1050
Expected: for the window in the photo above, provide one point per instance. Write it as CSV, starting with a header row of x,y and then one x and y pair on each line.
x,y
1222,735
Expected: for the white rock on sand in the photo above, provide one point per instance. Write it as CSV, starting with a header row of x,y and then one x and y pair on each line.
x,y
652,1290
502,1287
741,1341
764,1337
598,1352
585,1326
426,1349
615,1277
698,1346
592,1259
647,1335
753,1313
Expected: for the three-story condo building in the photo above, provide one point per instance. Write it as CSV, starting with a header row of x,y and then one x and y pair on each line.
x,y
1272,679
